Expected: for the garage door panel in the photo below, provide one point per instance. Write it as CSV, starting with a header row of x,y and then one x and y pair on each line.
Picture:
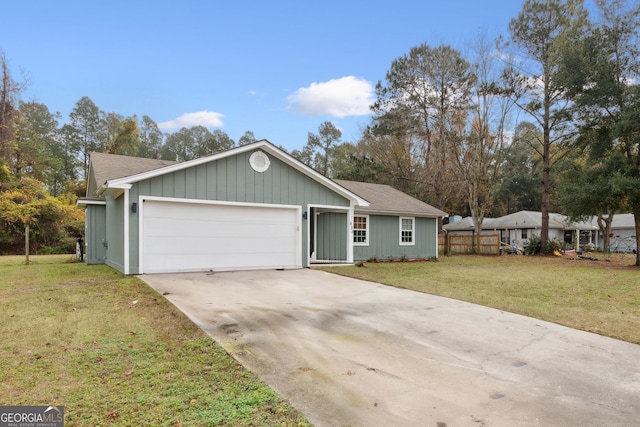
x,y
194,237
198,230
197,245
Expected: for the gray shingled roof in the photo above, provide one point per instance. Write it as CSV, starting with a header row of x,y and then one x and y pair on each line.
x,y
111,166
384,198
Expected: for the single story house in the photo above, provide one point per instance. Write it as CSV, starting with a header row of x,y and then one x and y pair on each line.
x,y
623,233
517,228
251,207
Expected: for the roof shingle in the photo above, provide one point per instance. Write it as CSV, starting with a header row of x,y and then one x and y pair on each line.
x,y
384,198
111,166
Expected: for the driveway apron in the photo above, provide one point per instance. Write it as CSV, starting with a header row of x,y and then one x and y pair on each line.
x,y
347,352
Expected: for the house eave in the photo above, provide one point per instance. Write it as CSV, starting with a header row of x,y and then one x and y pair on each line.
x,y
84,202
399,213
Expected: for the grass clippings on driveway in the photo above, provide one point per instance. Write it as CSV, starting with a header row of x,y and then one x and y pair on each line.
x,y
114,352
596,296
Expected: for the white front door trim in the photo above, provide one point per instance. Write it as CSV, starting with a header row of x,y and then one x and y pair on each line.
x,y
349,243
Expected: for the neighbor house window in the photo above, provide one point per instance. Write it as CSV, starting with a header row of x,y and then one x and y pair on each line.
x,y
407,231
361,230
525,234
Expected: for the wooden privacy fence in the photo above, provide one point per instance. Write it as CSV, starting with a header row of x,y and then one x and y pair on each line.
x,y
463,244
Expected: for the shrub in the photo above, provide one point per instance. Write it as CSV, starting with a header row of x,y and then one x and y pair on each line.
x,y
535,246
552,246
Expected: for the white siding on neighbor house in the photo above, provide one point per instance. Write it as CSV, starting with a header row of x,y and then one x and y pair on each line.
x,y
623,240
516,235
199,236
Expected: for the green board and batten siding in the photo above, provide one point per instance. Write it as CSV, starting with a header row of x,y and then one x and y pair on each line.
x,y
115,231
95,219
331,240
232,179
384,240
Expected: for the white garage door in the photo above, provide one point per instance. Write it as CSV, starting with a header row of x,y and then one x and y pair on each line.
x,y
195,237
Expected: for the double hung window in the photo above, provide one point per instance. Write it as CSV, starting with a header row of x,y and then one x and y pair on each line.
x,y
407,231
361,230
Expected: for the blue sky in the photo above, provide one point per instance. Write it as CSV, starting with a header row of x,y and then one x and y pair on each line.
x,y
276,68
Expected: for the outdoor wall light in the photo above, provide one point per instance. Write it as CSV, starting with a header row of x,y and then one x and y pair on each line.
x,y
304,215
134,207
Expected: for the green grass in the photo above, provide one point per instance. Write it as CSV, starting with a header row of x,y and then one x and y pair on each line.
x,y
114,352
595,296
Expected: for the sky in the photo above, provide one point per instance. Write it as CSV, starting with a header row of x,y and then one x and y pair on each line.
x,y
276,68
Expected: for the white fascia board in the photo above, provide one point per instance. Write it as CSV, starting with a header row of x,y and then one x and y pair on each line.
x,y
120,186
263,145
81,203
398,213
110,185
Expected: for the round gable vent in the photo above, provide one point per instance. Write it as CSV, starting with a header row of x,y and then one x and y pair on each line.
x,y
259,161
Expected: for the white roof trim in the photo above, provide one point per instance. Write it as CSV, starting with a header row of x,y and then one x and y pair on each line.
x,y
120,186
86,202
398,213
125,183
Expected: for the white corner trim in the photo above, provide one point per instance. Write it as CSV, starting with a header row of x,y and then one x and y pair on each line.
x,y
350,234
126,236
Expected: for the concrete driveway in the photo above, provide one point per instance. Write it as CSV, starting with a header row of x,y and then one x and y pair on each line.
x,y
351,353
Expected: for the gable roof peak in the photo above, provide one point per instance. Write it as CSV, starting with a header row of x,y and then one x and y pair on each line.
x,y
155,168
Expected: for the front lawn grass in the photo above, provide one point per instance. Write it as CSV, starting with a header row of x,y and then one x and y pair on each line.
x,y
114,352
596,296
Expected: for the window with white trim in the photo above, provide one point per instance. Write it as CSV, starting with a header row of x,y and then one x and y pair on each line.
x,y
361,230
407,231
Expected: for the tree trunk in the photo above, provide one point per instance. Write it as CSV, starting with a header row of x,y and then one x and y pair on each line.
x,y
546,161
604,224
544,231
26,244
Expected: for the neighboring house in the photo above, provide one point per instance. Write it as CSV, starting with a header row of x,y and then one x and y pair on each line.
x,y
623,233
251,207
465,226
517,228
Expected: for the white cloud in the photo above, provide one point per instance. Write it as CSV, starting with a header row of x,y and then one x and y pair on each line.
x,y
204,118
348,96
